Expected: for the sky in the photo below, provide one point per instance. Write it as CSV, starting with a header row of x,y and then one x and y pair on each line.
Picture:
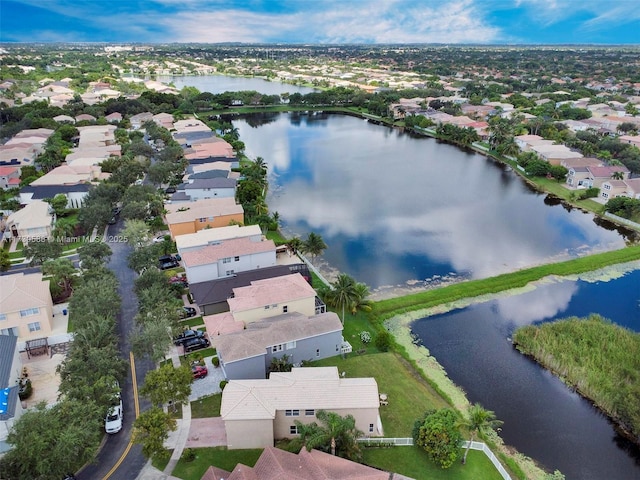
x,y
322,21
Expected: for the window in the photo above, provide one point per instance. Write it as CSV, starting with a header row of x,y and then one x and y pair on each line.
x,y
606,186
285,309
3,317
202,219
291,345
292,413
13,331
34,327
317,352
29,311
276,348
604,195
266,307
309,412
293,430
236,259
371,428
226,260
229,272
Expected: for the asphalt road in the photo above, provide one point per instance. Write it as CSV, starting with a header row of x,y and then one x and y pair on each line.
x,y
117,459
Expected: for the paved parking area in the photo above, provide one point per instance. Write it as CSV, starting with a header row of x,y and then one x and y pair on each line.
x,y
207,432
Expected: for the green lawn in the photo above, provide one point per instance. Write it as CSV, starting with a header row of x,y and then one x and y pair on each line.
x,y
207,406
192,322
409,396
414,462
216,456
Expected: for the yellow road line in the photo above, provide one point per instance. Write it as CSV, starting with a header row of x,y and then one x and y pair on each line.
x,y
136,403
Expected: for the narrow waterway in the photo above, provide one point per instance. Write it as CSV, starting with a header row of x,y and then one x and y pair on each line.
x,y
542,417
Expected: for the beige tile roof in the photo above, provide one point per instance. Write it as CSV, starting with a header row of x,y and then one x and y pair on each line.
x,y
258,336
228,248
270,291
318,388
20,292
209,207
211,235
34,215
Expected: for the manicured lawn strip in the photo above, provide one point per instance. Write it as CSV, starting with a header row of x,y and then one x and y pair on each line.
x,y
217,456
207,406
387,308
161,461
599,359
277,237
415,463
192,322
409,395
197,355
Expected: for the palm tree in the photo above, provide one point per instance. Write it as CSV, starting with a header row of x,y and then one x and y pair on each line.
x,y
342,293
479,421
337,434
617,175
295,244
361,302
314,245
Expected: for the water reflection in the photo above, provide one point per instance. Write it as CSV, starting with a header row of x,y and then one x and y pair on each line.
x,y
396,209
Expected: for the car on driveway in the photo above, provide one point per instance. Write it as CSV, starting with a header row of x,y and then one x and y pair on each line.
x,y
168,261
188,335
193,344
113,420
199,371
187,312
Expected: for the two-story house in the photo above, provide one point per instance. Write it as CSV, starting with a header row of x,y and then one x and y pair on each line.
x,y
32,222
248,353
227,257
257,412
26,307
210,236
192,217
620,188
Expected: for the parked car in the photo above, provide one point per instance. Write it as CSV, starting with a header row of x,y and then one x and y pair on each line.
x,y
113,420
166,262
159,238
199,371
187,312
188,335
194,344
170,190
180,280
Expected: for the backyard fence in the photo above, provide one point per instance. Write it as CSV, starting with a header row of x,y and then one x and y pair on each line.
x,y
624,221
388,442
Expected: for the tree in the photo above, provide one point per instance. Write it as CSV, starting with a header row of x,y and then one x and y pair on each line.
x,y
96,251
5,260
62,272
537,168
281,364
617,175
558,172
40,252
337,435
152,338
437,433
361,302
314,245
342,293
136,233
58,204
168,385
295,244
479,421
151,429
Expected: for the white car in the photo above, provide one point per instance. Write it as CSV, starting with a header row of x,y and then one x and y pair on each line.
x,y
113,420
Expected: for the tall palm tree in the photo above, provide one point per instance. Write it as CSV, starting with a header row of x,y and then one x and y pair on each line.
x,y
314,245
479,420
295,244
361,302
617,176
343,293
336,434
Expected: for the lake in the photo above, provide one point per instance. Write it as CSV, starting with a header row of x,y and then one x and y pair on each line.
x,y
223,83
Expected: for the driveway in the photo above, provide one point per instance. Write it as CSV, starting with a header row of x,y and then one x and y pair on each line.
x,y
207,432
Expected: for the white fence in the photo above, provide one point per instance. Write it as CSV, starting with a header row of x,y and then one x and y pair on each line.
x,y
624,221
409,441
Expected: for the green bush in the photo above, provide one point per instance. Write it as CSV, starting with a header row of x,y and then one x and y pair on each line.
x,y
215,361
188,455
223,384
383,341
25,389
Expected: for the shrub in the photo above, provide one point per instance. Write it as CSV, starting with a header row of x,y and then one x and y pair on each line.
x,y
223,384
215,361
383,341
365,337
25,389
188,455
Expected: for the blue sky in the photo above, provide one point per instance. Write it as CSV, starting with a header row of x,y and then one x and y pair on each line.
x,y
322,21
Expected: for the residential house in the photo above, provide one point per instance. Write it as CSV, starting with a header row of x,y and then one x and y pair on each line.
x,y
630,139
257,412
9,177
588,176
114,117
85,117
277,464
64,119
272,296
31,223
139,119
211,236
26,307
189,218
227,258
554,154
211,296
10,373
620,188
526,142
164,120
198,189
